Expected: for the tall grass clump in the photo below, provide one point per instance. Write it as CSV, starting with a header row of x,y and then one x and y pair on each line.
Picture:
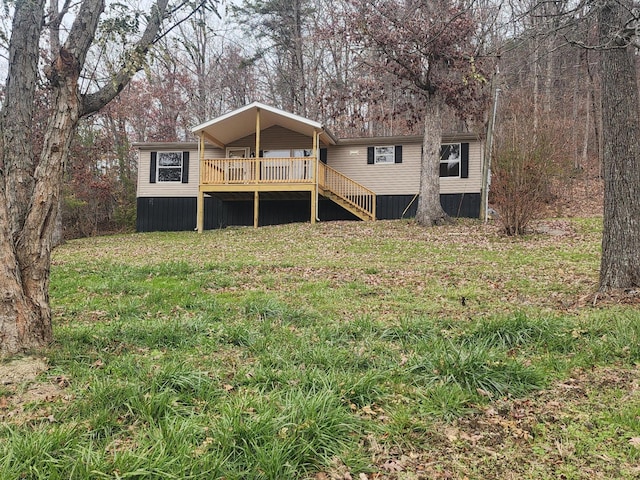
x,y
520,330
611,335
474,367
283,438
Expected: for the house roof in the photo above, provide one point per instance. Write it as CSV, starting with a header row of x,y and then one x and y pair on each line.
x,y
242,122
399,139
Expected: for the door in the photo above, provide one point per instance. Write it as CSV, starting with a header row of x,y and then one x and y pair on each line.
x,y
237,171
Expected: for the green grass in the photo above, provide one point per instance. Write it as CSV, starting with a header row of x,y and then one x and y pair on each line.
x,y
300,351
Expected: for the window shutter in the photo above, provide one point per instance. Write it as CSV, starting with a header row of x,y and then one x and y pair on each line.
x,y
464,160
153,167
185,167
398,154
261,153
370,155
323,155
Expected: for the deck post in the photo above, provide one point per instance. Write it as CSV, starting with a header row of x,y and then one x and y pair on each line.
x,y
200,211
256,208
256,177
200,201
314,191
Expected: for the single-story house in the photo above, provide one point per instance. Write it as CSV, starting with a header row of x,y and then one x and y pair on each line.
x,y
260,165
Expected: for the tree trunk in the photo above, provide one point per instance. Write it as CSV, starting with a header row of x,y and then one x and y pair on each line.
x,y
16,122
620,266
430,210
30,183
25,310
20,325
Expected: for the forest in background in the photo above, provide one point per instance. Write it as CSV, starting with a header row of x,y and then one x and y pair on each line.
x,y
301,56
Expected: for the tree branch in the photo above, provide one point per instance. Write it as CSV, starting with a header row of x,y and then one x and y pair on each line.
x,y
134,61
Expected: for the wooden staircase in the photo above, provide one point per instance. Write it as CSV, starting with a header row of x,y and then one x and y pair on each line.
x,y
347,193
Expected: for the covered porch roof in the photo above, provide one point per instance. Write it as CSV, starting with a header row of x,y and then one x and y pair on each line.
x,y
244,121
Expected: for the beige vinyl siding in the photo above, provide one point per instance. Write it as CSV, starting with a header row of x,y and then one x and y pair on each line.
x,y
401,178
172,189
276,138
383,179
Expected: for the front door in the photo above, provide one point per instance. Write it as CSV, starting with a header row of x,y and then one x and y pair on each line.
x,y
237,170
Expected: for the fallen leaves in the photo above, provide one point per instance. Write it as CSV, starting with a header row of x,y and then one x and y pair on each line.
x,y
392,465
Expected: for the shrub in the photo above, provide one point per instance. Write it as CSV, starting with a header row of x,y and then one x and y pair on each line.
x,y
522,172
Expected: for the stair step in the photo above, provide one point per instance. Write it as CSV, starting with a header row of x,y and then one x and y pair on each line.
x,y
358,212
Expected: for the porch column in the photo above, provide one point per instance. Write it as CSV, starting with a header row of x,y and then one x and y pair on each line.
x,y
200,201
256,178
256,208
314,191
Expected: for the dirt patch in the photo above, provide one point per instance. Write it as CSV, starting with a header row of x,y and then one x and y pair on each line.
x,y
21,385
554,228
21,370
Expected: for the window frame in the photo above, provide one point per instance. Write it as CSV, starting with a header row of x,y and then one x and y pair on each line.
x,y
448,161
160,167
391,155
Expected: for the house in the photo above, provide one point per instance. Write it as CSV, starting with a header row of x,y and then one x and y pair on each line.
x,y
259,165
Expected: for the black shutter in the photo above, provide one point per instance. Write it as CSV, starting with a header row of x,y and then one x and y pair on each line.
x,y
185,167
323,155
261,153
370,155
464,160
153,167
398,155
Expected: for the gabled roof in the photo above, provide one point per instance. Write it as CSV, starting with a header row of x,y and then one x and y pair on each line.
x,y
242,122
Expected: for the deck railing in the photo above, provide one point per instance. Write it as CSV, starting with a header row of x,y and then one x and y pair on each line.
x,y
290,171
223,171
348,190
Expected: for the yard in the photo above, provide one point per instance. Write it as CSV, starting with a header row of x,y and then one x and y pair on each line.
x,y
342,350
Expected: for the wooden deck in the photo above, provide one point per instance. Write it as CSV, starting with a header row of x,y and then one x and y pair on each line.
x,y
217,172
290,174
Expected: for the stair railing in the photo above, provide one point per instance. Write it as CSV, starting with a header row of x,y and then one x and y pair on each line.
x,y
356,195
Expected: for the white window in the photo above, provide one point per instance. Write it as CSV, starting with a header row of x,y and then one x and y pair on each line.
x,y
384,154
169,166
276,153
301,153
450,155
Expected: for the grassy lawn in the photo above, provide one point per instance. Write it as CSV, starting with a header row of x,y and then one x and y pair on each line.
x,y
342,350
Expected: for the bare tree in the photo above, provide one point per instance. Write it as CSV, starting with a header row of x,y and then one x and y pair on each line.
x,y
30,173
427,47
281,27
